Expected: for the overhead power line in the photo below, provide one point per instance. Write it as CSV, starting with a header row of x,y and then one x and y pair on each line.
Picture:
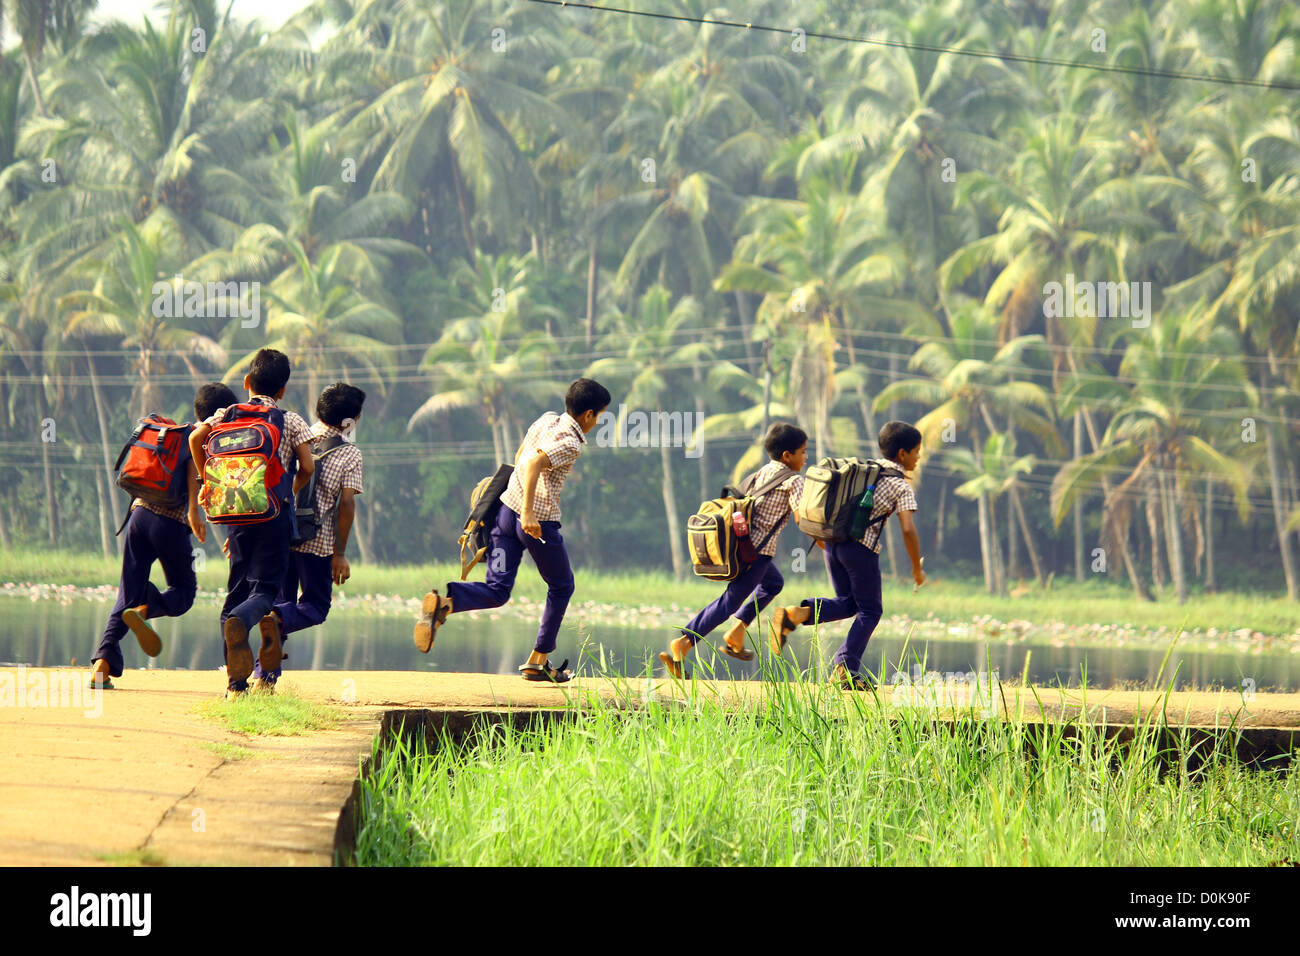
x,y
941,48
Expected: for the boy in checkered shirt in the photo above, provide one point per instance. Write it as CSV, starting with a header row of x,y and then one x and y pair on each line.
x,y
854,566
156,533
529,520
259,553
751,590
317,564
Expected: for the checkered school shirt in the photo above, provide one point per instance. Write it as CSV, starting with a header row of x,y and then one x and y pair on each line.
x,y
340,469
773,509
562,439
181,514
296,431
892,494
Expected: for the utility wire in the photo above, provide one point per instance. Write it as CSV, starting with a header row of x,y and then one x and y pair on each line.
x,y
940,48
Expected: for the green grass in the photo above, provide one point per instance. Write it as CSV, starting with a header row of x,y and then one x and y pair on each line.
x,y
230,751
132,858
1095,601
281,714
811,778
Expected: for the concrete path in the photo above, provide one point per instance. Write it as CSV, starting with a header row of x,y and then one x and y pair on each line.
x,y
136,775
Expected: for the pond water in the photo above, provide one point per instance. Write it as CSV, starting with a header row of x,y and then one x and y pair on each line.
x,y
51,633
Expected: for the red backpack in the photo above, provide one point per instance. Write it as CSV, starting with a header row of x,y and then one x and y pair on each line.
x,y
151,466
244,481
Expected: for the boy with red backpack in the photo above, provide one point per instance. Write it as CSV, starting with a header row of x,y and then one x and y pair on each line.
x,y
156,467
325,508
246,454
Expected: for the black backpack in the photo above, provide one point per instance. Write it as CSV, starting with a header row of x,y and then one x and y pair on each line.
x,y
484,503
306,507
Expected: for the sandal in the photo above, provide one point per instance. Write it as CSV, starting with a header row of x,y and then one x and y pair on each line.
x,y
433,613
674,666
843,680
781,628
544,671
744,654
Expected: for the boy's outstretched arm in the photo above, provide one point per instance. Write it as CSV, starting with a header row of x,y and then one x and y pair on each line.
x,y
305,466
532,471
197,524
912,541
198,438
339,567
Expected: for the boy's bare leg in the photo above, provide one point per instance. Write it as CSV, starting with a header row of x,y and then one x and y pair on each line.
x,y
799,614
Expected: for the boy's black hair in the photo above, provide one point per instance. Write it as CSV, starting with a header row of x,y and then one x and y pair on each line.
x,y
338,402
211,397
586,395
269,372
896,437
783,437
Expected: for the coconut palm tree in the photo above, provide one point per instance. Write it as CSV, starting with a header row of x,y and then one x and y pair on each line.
x,y
1176,378
652,371
991,474
970,384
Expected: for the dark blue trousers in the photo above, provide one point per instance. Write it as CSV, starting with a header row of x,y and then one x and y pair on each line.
x,y
312,575
855,574
149,537
508,544
259,561
746,594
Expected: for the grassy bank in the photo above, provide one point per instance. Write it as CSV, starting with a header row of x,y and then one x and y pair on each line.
x,y
814,779
1096,601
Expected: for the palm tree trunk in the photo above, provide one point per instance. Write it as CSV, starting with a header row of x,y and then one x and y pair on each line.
x,y
938,525
1078,504
4,524
670,512
361,524
701,446
891,542
746,327
591,290
1209,534
1279,504
982,507
51,508
1174,534
1029,540
103,438
1130,568
999,571
767,386
35,84
105,532
1150,498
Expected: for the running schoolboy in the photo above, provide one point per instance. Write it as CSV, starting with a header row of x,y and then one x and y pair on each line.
x,y
751,591
529,519
854,566
154,533
317,564
259,553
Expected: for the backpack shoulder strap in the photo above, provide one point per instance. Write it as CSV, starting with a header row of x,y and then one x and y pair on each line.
x,y
327,445
781,478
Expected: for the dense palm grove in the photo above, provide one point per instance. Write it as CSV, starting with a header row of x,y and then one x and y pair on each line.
x,y
462,205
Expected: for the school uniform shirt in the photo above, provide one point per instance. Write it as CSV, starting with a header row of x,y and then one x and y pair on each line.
x,y
181,514
340,469
774,508
892,494
561,438
295,431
